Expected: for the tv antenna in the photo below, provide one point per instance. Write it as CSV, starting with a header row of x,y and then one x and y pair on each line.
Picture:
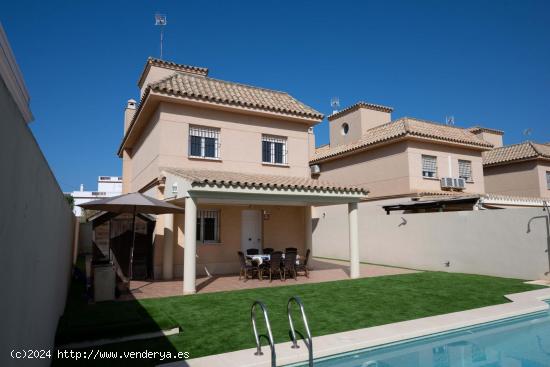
x,y
335,104
450,120
160,20
527,132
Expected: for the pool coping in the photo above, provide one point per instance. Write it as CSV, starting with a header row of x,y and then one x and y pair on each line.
x,y
327,345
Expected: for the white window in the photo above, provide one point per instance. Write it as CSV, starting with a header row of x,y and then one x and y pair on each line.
x,y
208,226
274,149
204,142
429,166
548,180
465,170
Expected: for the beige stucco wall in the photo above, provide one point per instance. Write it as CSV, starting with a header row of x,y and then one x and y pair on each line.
x,y
164,143
542,168
490,242
384,171
517,179
396,169
359,122
284,228
37,238
493,138
418,183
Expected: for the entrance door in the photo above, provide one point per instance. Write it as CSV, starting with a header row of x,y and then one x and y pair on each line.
x,y
251,230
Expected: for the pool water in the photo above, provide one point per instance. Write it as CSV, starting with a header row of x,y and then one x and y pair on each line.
x,y
517,342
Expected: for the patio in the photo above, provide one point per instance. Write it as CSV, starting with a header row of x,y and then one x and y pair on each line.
x,y
322,270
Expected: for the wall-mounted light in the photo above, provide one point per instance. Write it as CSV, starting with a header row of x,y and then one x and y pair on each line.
x,y
267,215
175,188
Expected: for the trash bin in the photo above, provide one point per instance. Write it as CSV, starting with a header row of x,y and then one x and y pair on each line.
x,y
104,282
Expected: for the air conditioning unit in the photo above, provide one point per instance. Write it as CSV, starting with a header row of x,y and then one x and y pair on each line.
x,y
315,169
453,183
447,183
459,183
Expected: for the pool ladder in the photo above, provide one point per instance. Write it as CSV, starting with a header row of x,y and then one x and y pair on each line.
x,y
291,332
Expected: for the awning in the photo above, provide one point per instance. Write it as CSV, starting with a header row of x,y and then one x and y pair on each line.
x,y
431,204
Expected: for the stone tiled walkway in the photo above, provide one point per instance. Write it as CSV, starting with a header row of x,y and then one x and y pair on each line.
x,y
321,271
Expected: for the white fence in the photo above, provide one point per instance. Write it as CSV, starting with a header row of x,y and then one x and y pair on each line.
x,y
490,242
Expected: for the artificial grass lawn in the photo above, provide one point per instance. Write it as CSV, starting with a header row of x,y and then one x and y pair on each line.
x,y
215,323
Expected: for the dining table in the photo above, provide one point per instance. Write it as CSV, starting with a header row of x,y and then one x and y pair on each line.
x,y
261,258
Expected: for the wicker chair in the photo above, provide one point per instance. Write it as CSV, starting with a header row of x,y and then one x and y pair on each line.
x,y
289,265
302,266
246,267
275,265
291,249
268,250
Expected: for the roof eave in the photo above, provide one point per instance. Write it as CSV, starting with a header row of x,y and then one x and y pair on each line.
x,y
396,139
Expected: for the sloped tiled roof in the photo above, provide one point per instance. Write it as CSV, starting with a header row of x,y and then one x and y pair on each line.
x,y
260,180
151,61
404,127
516,152
356,106
229,93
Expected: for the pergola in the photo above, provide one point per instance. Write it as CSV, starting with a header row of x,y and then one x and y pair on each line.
x,y
191,188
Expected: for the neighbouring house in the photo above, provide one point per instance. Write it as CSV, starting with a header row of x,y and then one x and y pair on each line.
x,y
403,159
107,186
518,170
236,157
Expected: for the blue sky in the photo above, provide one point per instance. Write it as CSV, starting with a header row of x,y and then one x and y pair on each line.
x,y
484,62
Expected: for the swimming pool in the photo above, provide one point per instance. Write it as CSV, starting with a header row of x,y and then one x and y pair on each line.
x,y
517,342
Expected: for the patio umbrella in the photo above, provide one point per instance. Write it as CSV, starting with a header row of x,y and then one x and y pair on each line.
x,y
134,203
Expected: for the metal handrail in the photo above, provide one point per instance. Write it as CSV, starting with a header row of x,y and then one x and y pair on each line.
x,y
269,334
309,341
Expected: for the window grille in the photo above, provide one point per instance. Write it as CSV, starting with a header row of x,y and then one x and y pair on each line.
x,y
274,150
208,226
429,166
465,170
204,142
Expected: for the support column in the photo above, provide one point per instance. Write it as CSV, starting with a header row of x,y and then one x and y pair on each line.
x,y
168,248
309,228
190,249
353,240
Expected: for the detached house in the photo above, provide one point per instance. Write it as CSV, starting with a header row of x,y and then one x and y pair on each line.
x,y
518,170
404,159
236,157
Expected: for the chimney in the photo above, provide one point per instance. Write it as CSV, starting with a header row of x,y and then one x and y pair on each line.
x,y
311,142
129,113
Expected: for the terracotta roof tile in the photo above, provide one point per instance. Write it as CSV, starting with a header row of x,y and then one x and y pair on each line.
x,y
404,127
358,105
151,61
516,152
220,91
260,180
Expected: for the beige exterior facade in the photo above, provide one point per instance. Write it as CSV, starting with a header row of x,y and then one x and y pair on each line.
x,y
518,170
257,166
526,178
367,148
396,169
